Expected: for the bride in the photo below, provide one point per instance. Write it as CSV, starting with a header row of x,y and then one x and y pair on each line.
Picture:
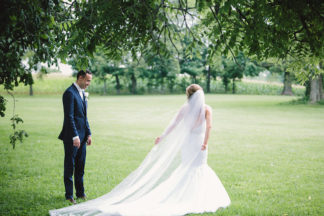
x,y
174,178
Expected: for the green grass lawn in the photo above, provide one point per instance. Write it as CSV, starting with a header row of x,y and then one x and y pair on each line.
x,y
268,153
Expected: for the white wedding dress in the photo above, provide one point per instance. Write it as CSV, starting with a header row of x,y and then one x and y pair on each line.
x,y
174,178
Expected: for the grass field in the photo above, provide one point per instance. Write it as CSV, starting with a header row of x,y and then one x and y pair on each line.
x,y
268,153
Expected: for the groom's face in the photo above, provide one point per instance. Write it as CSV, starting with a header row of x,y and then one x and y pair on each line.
x,y
85,81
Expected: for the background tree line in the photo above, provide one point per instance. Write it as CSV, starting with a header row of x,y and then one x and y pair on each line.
x,y
161,75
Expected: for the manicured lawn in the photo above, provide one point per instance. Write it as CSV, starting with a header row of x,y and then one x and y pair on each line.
x,y
268,153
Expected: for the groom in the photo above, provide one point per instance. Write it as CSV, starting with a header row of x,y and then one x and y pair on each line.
x,y
76,135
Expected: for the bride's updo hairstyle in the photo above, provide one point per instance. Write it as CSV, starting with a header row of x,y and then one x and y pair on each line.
x,y
192,89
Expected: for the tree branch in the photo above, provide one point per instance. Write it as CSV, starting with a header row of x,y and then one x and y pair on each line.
x,y
244,20
221,34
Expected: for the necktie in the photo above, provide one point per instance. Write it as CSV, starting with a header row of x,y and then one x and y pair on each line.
x,y
83,96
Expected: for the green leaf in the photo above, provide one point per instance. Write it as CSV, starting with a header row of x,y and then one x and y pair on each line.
x,y
13,18
44,36
52,20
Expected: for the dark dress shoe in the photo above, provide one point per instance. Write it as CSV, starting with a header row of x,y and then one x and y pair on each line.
x,y
82,197
71,200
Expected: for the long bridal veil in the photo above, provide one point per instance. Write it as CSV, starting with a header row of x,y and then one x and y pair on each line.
x,y
144,185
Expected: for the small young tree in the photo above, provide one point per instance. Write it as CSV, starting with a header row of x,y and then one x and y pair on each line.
x,y
235,70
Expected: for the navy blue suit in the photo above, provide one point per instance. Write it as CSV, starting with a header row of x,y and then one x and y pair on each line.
x,y
75,124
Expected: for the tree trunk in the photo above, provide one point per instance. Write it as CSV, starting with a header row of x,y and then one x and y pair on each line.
x,y
149,85
315,94
321,86
208,80
31,92
308,87
161,84
105,87
194,80
134,84
287,90
233,86
225,83
117,84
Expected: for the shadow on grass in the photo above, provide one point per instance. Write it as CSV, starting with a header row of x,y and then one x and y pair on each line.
x,y
301,101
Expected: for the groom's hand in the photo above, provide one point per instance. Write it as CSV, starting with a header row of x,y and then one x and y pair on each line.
x,y
76,142
89,140
157,140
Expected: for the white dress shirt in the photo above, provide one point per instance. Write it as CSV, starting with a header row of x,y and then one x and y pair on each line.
x,y
81,91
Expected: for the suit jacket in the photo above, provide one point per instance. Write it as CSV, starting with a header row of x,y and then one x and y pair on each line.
x,y
75,116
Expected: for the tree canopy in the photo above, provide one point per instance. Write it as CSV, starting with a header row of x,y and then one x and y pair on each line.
x,y
57,29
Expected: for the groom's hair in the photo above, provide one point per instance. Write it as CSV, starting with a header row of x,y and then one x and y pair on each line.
x,y
82,73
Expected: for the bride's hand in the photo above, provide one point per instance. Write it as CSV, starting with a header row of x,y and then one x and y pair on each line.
x,y
203,147
157,140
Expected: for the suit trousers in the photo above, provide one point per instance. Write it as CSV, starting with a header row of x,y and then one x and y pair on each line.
x,y
74,160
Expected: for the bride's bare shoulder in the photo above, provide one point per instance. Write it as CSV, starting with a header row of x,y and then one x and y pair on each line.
x,y
208,108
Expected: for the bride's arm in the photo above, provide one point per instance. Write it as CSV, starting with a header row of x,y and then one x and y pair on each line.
x,y
208,126
172,125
